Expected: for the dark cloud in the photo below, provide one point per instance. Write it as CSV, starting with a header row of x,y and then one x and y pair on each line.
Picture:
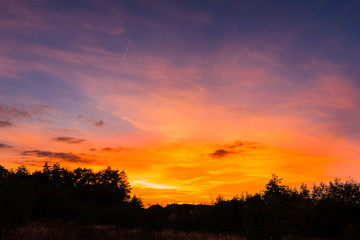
x,y
5,123
23,111
108,149
3,145
241,145
99,123
235,144
10,114
68,157
112,149
219,153
29,163
236,147
119,149
70,140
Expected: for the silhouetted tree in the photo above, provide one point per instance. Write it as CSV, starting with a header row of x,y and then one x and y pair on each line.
x,y
136,202
22,171
274,189
114,184
4,173
84,178
304,191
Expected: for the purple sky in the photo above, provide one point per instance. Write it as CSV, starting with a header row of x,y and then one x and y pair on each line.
x,y
163,85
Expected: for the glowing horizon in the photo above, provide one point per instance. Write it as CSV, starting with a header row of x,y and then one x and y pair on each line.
x,y
191,100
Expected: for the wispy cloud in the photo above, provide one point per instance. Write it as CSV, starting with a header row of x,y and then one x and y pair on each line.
x,y
236,147
67,157
99,123
12,114
3,145
70,140
108,149
5,123
235,144
219,153
119,149
25,111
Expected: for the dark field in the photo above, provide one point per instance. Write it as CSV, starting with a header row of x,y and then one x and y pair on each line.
x,y
71,231
55,230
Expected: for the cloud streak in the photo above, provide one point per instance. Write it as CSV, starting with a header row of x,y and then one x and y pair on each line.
x,y
70,140
97,123
27,111
12,114
219,153
3,145
119,149
237,147
66,157
5,124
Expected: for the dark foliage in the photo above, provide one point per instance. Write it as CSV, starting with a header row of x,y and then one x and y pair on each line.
x,y
85,197
326,211
56,193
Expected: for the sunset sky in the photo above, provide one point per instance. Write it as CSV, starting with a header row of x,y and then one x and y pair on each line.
x,y
191,99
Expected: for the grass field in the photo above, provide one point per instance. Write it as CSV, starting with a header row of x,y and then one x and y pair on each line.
x,y
70,231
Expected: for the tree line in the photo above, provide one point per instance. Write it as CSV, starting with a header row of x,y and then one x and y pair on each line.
x,y
81,195
86,197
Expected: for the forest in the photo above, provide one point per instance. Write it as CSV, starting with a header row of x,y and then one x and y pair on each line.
x,y
84,198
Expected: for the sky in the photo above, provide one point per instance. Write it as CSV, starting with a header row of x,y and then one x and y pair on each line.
x,y
192,99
